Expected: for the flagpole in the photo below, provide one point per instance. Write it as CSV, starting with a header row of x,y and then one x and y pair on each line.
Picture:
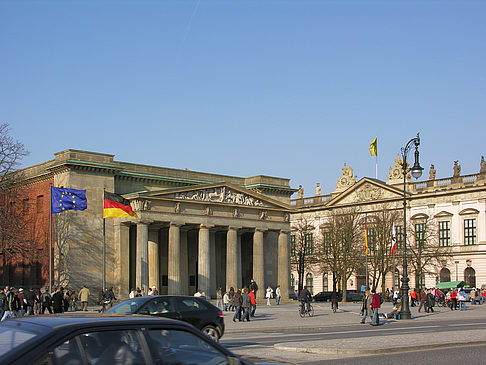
x,y
366,252
104,247
376,167
50,241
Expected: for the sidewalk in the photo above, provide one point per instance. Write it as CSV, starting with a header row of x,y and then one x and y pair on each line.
x,y
286,318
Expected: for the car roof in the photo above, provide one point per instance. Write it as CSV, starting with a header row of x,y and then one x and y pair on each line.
x,y
93,319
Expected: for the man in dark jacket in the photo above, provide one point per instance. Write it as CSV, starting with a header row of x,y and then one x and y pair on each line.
x,y
305,297
430,301
30,299
246,305
253,286
58,301
237,301
46,301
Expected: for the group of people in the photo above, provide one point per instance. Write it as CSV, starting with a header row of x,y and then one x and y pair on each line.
x,y
140,292
370,307
19,302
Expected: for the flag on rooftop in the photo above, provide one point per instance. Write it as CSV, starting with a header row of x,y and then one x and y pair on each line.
x,y
374,147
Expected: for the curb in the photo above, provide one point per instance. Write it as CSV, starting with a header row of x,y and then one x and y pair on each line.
x,y
334,351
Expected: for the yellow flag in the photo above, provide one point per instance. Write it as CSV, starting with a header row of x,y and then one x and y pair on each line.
x,y
374,147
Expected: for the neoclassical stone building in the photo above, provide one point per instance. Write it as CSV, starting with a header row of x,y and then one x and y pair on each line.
x,y
196,230
457,205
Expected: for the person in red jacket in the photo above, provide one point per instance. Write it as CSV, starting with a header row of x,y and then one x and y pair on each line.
x,y
375,306
252,303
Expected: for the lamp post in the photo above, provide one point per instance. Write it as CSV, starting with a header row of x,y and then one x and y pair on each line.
x,y
416,173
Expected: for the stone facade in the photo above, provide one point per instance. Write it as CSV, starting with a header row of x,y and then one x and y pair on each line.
x,y
459,201
196,230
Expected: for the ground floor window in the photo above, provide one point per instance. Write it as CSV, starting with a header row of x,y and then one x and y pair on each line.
x,y
470,277
309,282
445,275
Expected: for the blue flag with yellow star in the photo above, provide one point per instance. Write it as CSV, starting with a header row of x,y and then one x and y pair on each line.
x,y
67,199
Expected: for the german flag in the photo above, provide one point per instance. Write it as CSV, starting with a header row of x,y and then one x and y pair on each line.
x,y
115,206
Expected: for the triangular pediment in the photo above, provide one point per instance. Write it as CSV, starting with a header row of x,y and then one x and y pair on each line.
x,y
222,193
366,190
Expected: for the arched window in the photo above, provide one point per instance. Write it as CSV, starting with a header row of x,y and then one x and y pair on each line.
x,y
325,282
309,281
421,281
470,277
445,275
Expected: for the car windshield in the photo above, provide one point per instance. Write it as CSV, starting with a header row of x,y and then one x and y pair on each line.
x,y
128,306
10,338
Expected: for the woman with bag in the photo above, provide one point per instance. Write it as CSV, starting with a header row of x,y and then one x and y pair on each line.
x,y
269,294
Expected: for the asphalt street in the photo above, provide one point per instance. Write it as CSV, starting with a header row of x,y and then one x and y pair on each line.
x,y
279,335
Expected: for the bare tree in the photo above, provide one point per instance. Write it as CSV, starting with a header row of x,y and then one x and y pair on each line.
x,y
302,251
341,247
16,227
380,227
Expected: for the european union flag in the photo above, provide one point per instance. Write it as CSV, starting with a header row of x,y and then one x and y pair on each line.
x,y
67,199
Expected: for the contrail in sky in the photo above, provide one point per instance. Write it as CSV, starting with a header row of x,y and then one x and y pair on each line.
x,y
189,24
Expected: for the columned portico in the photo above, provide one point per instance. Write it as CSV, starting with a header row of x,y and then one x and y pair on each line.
x,y
258,261
153,257
142,273
184,263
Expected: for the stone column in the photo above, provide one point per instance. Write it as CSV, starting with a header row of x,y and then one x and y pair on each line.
x,y
142,275
258,262
153,258
122,235
231,258
283,264
204,261
174,262
212,268
238,262
184,264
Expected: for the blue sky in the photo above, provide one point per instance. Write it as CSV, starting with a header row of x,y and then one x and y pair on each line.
x,y
283,88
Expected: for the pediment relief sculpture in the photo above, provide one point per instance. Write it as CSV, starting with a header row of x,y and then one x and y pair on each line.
x,y
140,205
367,192
220,195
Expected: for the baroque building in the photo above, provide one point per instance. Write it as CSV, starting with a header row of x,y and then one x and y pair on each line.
x,y
455,207
195,230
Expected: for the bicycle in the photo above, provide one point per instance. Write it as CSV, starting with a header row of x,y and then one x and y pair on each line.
x,y
303,309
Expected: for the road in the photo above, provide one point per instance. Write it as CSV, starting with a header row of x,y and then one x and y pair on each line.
x,y
257,344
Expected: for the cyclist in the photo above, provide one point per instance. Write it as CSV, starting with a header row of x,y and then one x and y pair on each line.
x,y
334,301
305,298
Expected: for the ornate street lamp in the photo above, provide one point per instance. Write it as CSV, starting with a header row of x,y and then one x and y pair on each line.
x,y
416,173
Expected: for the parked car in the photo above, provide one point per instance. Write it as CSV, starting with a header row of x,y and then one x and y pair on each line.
x,y
351,296
77,339
194,310
323,296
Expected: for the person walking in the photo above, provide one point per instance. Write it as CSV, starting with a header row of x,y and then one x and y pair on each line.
x,y
30,299
430,302
246,302
461,298
396,296
83,296
219,298
454,299
269,294
253,303
46,302
365,307
237,301
423,298
226,301
278,294
375,306
231,294
58,301
473,296
253,286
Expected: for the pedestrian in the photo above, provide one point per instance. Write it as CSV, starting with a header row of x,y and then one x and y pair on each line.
x,y
102,300
23,302
219,298
30,299
237,301
153,291
396,296
269,294
414,296
278,294
454,299
58,301
423,297
9,304
67,300
430,302
365,308
112,297
37,301
226,301
253,286
46,302
473,296
245,305
461,298
253,303
132,294
375,307
231,294
83,296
